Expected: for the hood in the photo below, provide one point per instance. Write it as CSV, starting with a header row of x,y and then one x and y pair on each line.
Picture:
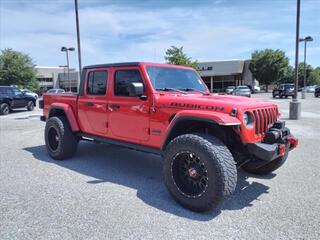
x,y
222,103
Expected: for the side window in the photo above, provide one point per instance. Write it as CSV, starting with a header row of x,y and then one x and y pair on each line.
x,y
97,83
123,80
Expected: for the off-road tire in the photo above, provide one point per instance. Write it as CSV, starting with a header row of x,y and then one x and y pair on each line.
x,y
65,144
257,167
221,170
4,109
30,106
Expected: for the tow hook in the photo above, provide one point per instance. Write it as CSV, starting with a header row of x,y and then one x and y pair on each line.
x,y
293,142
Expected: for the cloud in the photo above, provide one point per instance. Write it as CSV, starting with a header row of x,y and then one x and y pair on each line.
x,y
126,31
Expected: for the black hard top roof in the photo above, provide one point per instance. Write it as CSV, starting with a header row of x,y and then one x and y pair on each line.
x,y
124,64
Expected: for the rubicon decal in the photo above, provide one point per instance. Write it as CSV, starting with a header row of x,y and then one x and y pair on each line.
x,y
197,106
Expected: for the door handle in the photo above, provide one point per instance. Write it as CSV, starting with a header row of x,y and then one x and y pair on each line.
x,y
114,106
89,104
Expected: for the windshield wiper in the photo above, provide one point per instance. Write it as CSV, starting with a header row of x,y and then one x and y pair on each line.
x,y
195,90
170,89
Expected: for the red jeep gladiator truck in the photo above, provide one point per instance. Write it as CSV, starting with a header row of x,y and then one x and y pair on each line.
x,y
168,110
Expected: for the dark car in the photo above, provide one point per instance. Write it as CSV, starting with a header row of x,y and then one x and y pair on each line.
x,y
283,90
12,97
317,92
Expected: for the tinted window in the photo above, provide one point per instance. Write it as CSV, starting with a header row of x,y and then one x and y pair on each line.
x,y
16,91
123,80
97,83
178,78
5,91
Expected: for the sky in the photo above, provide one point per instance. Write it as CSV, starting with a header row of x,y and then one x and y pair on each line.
x,y
142,30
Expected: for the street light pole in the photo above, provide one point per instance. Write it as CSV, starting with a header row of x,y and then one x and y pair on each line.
x,y
64,73
65,49
305,40
295,106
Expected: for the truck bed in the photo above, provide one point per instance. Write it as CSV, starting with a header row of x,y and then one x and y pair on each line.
x,y
52,98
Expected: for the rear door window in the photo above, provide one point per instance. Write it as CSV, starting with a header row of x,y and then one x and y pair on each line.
x,y
97,83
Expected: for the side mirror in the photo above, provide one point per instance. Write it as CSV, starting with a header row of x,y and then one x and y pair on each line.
x,y
136,89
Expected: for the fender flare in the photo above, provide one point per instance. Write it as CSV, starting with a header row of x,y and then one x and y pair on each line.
x,y
67,109
221,119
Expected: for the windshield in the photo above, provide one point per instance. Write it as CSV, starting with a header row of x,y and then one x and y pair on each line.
x,y
164,78
243,88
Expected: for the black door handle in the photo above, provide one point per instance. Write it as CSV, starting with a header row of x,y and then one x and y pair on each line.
x,y
114,106
89,104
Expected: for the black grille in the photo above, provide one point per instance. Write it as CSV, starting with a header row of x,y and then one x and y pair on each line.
x,y
263,118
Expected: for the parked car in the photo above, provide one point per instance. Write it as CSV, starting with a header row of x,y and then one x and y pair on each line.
x,y
12,97
317,91
230,89
28,92
56,90
311,89
168,110
243,91
256,89
283,90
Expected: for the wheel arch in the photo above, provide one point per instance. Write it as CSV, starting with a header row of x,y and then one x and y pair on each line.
x,y
191,124
64,110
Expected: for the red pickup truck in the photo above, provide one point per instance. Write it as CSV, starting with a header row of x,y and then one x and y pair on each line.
x,y
168,110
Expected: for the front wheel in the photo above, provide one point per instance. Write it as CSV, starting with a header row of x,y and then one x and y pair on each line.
x,y
199,171
61,142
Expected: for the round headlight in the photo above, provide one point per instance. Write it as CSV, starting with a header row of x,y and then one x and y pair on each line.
x,y
248,120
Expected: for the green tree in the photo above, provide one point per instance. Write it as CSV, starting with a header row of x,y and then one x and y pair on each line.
x,y
312,75
17,68
289,75
269,66
175,55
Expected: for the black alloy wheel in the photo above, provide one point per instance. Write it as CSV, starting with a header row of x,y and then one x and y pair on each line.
x,y
53,139
189,174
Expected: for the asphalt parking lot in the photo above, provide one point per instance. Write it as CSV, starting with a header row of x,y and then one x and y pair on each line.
x,y
107,192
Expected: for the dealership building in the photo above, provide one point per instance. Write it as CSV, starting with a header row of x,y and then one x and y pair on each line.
x,y
57,77
220,74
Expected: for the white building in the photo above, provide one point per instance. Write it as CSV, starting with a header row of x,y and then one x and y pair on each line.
x,y
220,74
56,77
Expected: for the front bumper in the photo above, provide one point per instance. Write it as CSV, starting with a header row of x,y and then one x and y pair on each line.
x,y
278,141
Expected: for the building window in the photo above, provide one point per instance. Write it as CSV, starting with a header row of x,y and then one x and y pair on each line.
x,y
97,83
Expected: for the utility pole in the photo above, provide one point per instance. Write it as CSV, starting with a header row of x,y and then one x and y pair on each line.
x,y
78,38
295,105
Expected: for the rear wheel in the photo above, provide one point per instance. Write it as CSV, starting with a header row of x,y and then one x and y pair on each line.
x,y
199,171
4,109
61,142
30,106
